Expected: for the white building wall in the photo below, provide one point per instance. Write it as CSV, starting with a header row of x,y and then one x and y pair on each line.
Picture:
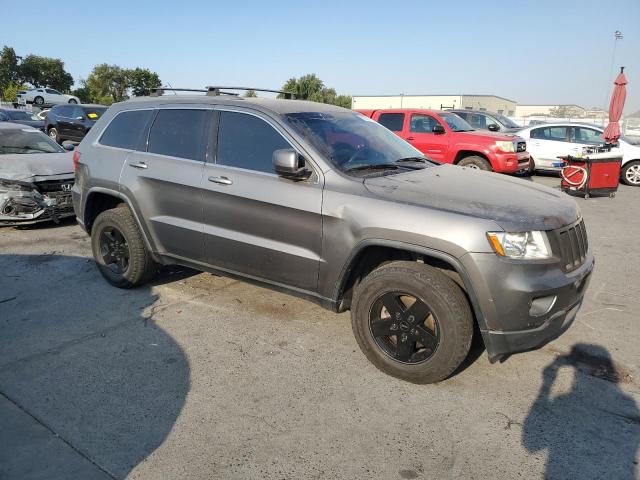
x,y
406,101
489,104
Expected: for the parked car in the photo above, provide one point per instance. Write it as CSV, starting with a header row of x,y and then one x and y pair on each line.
x,y
552,140
72,122
45,97
445,137
491,121
324,203
36,176
21,117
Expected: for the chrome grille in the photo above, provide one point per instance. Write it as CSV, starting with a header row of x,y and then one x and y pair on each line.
x,y
47,186
573,245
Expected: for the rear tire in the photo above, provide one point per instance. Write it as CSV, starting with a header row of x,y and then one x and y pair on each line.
x,y
38,101
118,226
475,162
630,174
443,313
73,101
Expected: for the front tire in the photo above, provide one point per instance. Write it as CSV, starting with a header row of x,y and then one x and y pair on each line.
x,y
630,173
412,321
53,135
38,101
119,249
475,162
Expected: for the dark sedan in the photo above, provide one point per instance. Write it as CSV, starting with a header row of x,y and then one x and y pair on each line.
x,y
72,122
22,117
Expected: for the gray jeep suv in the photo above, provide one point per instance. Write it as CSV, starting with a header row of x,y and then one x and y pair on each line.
x,y
324,203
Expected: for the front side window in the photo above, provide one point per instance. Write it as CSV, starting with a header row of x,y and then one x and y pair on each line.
x,y
125,129
246,141
587,136
393,121
180,133
422,123
52,91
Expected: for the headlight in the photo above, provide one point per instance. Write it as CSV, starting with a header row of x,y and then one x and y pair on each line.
x,y
505,146
526,245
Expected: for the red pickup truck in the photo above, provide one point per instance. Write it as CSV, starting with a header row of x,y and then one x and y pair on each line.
x,y
445,137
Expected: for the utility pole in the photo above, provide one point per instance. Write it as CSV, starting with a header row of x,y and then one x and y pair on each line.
x,y
617,35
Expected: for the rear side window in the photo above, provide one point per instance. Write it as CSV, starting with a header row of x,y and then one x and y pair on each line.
x,y
393,121
245,141
558,134
125,129
180,133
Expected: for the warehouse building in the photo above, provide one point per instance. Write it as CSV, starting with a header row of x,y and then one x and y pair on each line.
x,y
491,103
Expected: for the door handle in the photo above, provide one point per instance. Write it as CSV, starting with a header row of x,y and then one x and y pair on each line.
x,y
140,165
221,180
410,139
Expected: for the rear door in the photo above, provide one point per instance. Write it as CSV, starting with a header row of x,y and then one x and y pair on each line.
x,y
419,133
548,143
255,222
76,122
165,180
63,124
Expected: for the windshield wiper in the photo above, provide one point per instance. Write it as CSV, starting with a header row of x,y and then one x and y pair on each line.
x,y
380,166
412,159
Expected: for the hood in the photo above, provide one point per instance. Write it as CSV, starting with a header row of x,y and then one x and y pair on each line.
x,y
39,124
29,166
514,204
484,135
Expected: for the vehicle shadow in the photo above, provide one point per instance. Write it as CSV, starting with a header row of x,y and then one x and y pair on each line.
x,y
90,385
592,431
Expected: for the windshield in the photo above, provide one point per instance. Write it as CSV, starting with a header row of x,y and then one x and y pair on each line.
x,y
455,123
507,122
20,115
350,140
27,141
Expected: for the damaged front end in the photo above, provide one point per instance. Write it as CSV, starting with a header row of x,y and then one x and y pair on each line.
x,y
23,202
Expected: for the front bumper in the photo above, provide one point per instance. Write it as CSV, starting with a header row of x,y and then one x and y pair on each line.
x,y
508,292
26,208
511,162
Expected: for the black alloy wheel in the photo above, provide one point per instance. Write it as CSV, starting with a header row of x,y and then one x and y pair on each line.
x,y
404,327
114,250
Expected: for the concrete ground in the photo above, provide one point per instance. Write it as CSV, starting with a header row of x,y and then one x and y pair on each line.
x,y
199,377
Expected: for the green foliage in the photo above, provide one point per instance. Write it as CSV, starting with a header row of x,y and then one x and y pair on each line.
x,y
83,92
564,111
9,93
8,68
250,93
142,81
310,87
45,72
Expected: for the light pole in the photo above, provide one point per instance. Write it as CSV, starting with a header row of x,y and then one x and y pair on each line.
x,y
617,35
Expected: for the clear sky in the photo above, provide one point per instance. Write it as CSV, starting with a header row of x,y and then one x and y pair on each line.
x,y
532,52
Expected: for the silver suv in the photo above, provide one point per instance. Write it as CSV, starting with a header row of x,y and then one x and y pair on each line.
x,y
324,203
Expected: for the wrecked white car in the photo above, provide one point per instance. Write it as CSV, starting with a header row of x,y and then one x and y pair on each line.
x,y
36,176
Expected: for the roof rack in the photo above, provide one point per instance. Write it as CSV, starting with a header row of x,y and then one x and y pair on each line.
x,y
213,91
157,92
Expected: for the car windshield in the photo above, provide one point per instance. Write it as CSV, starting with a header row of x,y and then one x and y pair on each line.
x,y
350,140
27,141
455,123
20,115
94,113
507,122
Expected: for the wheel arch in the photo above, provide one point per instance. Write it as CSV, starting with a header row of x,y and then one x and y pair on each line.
x,y
464,153
370,254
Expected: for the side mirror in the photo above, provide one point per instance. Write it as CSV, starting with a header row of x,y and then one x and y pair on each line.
x,y
288,164
80,118
69,147
493,127
438,129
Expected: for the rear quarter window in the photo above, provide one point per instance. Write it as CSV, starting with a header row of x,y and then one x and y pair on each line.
x,y
125,129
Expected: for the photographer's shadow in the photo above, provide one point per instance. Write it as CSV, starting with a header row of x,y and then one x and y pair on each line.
x,y
591,432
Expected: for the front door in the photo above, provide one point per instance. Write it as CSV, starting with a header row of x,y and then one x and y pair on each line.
x,y
420,134
255,222
165,180
548,143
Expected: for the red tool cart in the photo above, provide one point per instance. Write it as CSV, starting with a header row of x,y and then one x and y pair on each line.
x,y
592,173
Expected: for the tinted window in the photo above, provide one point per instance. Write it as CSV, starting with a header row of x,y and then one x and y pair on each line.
x,y
393,121
125,129
463,115
422,123
180,133
51,90
587,135
550,133
62,111
245,141
93,113
76,112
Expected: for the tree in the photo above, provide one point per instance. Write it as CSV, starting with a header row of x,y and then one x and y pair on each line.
x,y
8,68
250,93
83,92
10,92
310,87
564,111
142,81
107,84
45,72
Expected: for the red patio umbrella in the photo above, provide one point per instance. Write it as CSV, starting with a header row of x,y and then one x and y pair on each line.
x,y
619,95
